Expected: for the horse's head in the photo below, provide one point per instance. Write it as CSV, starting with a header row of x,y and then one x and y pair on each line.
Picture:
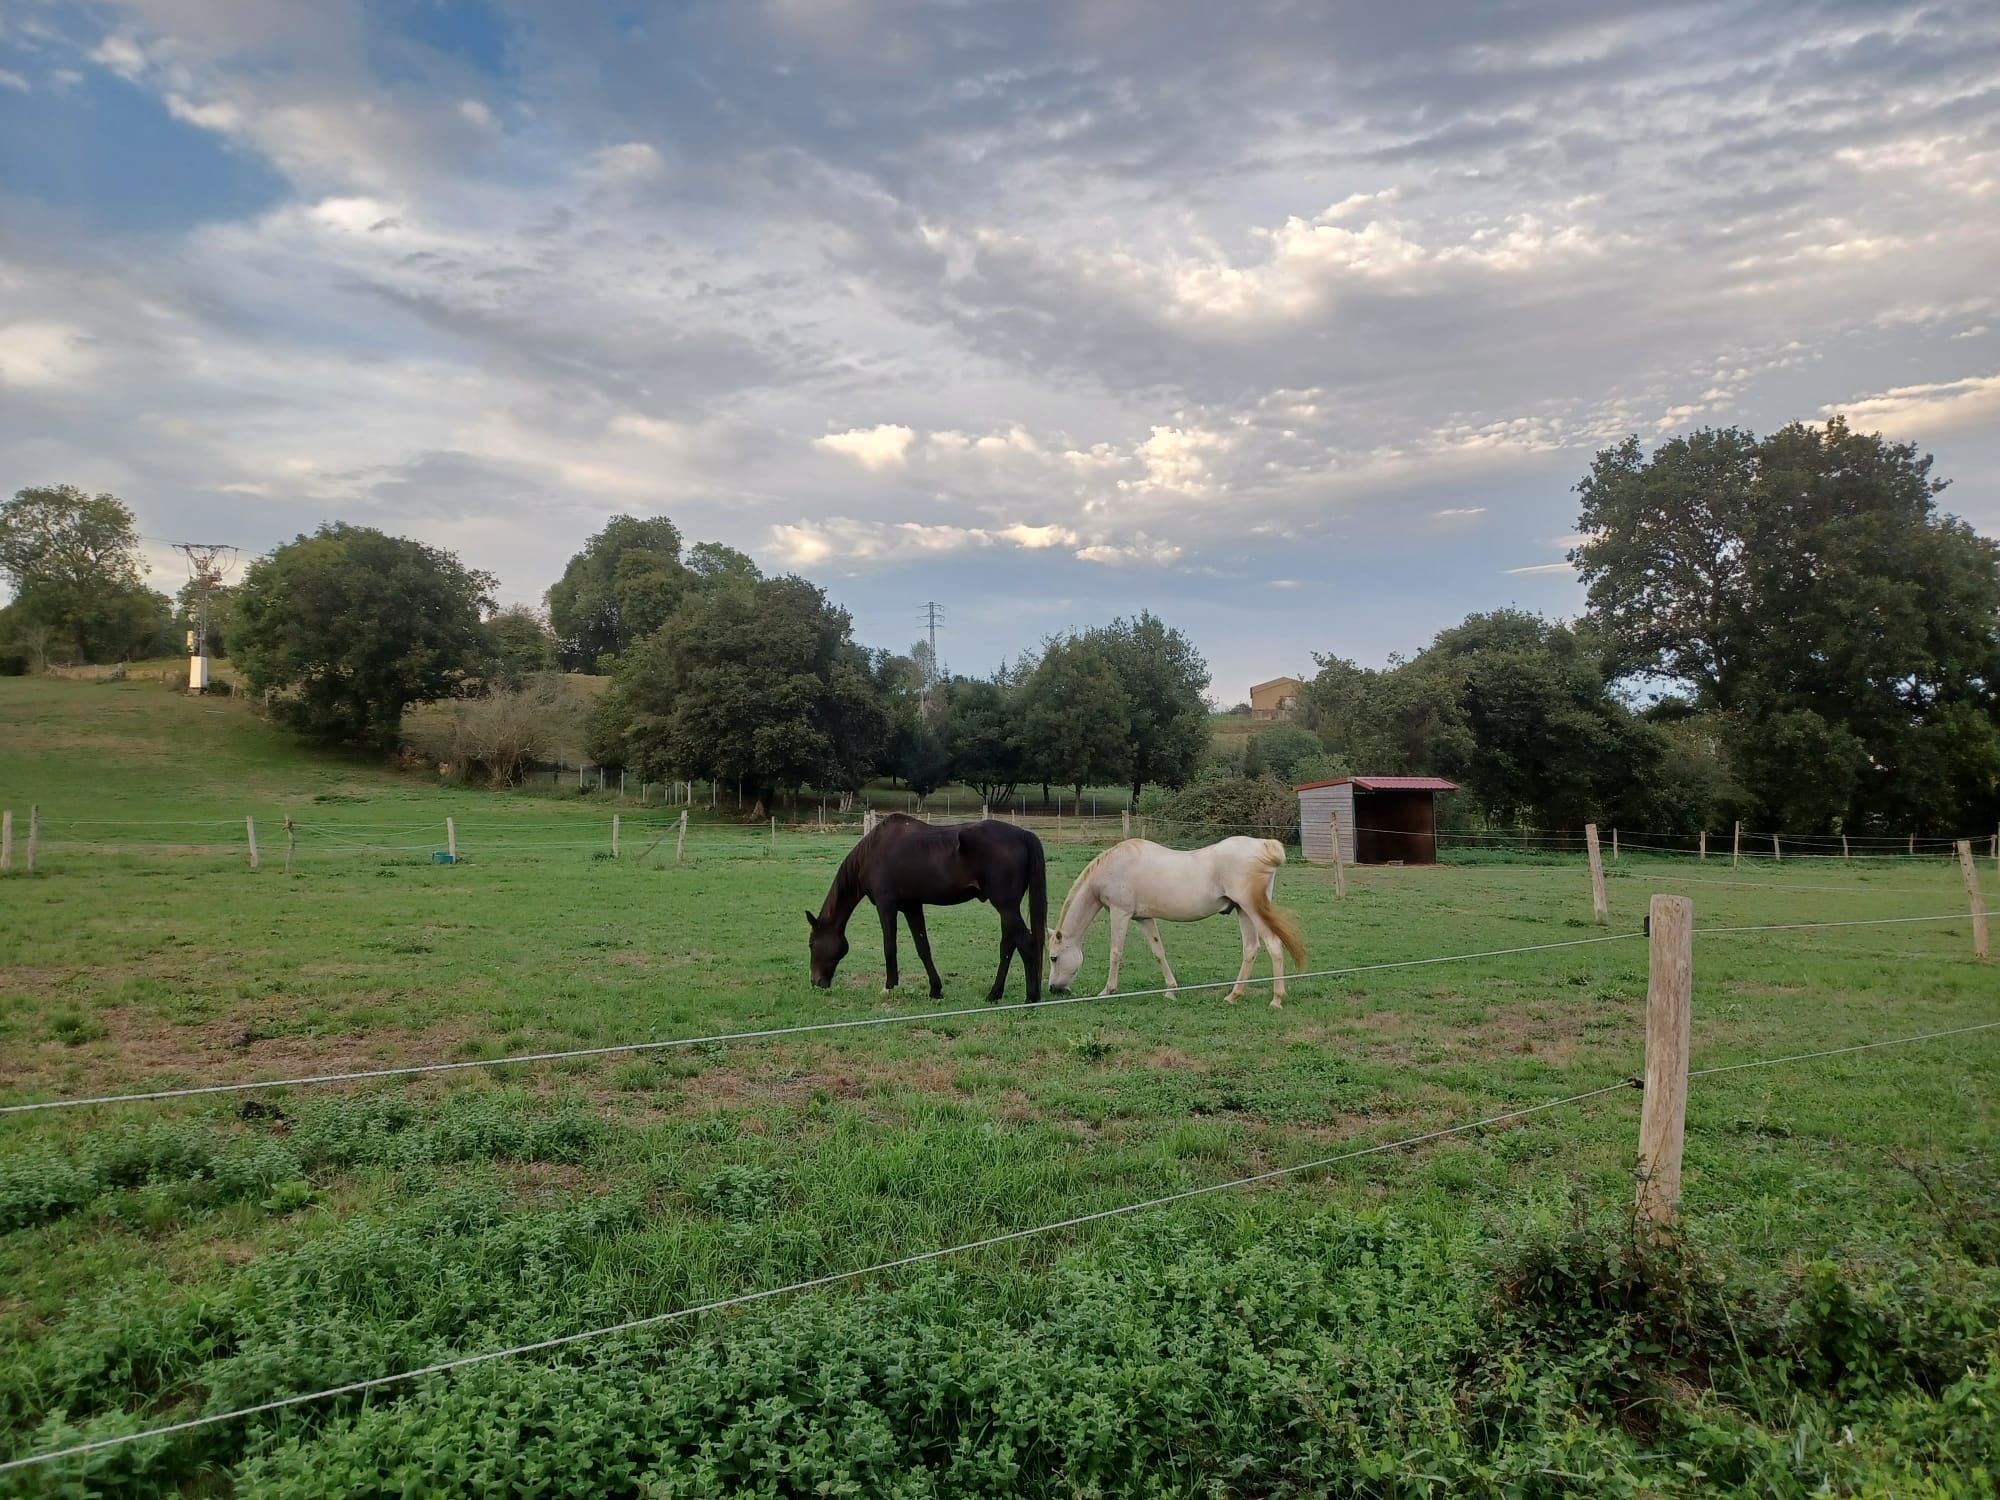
x,y
829,947
1065,958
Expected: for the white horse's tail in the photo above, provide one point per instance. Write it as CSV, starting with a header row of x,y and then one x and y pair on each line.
x,y
1273,916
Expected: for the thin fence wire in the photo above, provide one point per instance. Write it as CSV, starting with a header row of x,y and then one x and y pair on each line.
x,y
1013,1236
721,1304
769,1033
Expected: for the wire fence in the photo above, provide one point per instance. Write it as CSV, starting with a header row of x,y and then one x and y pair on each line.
x,y
924,1257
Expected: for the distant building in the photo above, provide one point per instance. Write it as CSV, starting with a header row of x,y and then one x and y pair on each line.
x,y
1276,699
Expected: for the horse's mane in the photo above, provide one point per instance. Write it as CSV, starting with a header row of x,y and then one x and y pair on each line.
x,y
846,888
1083,879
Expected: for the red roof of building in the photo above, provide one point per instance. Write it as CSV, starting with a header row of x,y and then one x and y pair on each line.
x,y
1387,784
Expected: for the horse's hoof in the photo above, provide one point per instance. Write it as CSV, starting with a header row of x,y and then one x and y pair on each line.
x,y
1171,995
1278,1002
1106,993
1230,999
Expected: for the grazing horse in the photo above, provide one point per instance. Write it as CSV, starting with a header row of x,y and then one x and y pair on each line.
x,y
905,865
1149,882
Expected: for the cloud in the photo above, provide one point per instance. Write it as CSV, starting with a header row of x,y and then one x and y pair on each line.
x,y
1912,410
851,540
631,161
46,355
1538,568
1453,512
883,447
1141,550
12,80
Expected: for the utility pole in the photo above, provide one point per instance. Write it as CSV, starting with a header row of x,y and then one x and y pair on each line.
x,y
932,613
208,564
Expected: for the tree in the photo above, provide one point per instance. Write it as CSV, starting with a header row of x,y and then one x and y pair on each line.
x,y
1165,685
982,732
625,583
343,629
1804,586
761,685
73,560
718,566
1075,717
496,737
1280,750
221,614
519,646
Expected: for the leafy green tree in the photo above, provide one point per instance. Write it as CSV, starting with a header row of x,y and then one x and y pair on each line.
x,y
1075,716
343,629
73,560
519,646
1804,586
718,566
1165,684
761,685
982,730
1280,750
221,614
625,583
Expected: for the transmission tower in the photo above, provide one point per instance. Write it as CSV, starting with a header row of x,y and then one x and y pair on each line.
x,y
208,564
932,613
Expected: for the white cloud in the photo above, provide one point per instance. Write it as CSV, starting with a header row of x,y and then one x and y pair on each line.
x,y
1286,583
1554,567
1459,512
1141,549
850,539
43,355
1035,538
121,53
1942,406
632,161
886,446
12,80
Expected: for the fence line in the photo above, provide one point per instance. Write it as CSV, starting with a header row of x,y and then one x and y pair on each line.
x,y
721,1304
922,1257
767,1034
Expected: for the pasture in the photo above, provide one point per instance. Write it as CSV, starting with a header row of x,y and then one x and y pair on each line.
x,y
1471,1314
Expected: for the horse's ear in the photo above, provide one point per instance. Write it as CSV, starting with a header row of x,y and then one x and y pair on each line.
x,y
812,921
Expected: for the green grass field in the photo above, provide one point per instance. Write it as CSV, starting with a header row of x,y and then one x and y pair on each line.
x,y
1470,1315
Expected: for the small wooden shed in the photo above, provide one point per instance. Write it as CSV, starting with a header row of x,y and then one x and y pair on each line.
x,y
1384,820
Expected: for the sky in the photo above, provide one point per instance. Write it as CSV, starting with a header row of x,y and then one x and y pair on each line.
x,y
1293,323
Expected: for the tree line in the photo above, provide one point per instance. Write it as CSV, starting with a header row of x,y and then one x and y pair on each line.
x,y
1783,629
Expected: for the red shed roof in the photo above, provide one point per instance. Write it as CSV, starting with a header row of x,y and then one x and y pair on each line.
x,y
1387,784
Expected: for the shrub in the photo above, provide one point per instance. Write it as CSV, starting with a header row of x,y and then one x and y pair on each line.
x,y
1208,810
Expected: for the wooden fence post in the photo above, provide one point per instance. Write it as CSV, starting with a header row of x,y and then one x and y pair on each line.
x,y
250,828
34,833
774,833
1339,855
1600,908
291,842
614,835
1669,996
1614,843
451,838
1125,823
1913,845
1777,854
680,843
6,841
1843,848
1965,868
1736,846
1704,843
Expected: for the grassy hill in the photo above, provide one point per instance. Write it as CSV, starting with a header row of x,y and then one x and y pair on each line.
x,y
1470,1314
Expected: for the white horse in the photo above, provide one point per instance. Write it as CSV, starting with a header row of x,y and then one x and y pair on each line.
x,y
1148,882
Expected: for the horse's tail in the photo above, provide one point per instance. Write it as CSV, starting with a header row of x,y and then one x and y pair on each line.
x,y
1274,916
1038,905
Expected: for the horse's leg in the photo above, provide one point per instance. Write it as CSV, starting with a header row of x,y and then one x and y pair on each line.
x,y
1119,921
888,915
1014,935
1152,931
1249,954
1275,946
921,936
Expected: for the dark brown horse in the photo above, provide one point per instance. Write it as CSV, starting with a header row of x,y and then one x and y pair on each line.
x,y
905,865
